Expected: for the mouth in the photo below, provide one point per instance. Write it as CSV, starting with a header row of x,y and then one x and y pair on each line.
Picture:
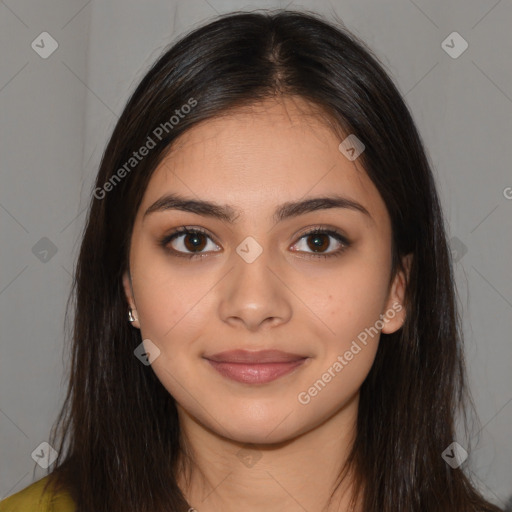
x,y
255,367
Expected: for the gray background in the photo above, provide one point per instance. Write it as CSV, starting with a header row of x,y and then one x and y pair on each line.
x,y
58,112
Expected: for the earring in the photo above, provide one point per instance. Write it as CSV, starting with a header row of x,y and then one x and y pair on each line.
x,y
131,318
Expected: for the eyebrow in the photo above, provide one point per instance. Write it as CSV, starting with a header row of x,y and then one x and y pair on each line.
x,y
229,214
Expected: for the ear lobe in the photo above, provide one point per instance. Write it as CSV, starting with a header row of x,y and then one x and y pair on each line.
x,y
395,312
127,285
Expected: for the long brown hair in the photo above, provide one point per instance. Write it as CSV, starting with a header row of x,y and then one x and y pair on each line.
x,y
118,433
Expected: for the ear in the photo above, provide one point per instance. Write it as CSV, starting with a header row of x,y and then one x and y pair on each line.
x,y
395,312
127,285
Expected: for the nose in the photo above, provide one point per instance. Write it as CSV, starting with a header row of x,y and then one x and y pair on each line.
x,y
254,295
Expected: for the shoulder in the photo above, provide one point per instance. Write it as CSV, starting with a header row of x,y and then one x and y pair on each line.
x,y
32,498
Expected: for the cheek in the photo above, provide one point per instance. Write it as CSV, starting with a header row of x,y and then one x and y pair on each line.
x,y
355,299
170,300
169,319
353,305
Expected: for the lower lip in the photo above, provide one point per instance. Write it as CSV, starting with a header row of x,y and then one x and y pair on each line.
x,y
255,373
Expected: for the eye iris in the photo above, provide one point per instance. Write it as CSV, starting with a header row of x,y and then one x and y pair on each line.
x,y
196,244
318,242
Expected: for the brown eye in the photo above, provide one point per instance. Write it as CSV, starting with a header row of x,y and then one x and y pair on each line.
x,y
187,241
319,241
194,241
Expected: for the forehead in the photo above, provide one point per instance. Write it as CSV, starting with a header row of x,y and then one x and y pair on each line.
x,y
259,156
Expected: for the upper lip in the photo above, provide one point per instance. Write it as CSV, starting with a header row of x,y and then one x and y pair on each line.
x,y
255,357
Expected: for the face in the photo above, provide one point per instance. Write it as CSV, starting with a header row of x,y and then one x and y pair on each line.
x,y
262,268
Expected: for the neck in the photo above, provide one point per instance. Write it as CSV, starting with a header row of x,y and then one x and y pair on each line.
x,y
295,474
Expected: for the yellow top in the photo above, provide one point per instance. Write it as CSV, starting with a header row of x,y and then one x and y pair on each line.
x,y
32,499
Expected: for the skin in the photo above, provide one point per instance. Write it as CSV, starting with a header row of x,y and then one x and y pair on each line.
x,y
255,159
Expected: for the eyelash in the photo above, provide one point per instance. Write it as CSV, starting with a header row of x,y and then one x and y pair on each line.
x,y
163,242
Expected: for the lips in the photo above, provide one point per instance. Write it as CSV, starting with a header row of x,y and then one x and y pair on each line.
x,y
261,356
255,367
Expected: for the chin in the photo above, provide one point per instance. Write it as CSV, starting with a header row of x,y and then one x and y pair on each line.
x,y
275,425
261,436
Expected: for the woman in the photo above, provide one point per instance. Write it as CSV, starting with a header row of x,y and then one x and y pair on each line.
x,y
265,315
